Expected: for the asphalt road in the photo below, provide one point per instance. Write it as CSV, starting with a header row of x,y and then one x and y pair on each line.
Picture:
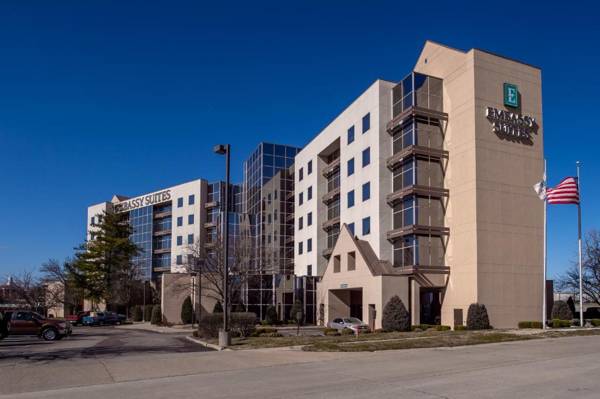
x,y
550,368
92,342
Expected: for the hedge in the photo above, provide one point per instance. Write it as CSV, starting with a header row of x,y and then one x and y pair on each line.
x,y
271,316
426,327
156,315
530,324
460,327
477,317
556,323
242,323
148,312
561,311
395,316
595,322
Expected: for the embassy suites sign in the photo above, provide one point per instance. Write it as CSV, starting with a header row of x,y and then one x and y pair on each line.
x,y
144,200
511,124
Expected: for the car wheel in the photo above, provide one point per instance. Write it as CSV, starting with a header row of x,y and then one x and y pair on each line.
x,y
49,334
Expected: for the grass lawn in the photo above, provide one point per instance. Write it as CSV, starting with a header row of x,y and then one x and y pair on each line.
x,y
398,340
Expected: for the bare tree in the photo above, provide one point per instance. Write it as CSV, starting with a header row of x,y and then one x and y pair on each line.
x,y
60,287
591,270
26,289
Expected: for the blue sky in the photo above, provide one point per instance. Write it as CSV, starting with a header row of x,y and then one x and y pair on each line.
x,y
98,98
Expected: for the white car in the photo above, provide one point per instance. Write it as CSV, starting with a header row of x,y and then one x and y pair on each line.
x,y
352,323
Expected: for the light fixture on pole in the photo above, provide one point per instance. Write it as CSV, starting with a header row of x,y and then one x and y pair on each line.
x,y
224,336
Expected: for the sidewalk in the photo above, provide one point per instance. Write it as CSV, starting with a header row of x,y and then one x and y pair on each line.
x,y
146,326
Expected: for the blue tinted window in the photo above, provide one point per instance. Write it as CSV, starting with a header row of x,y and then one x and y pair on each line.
x,y
366,191
366,157
309,270
191,199
366,226
190,239
351,228
300,223
309,245
350,167
179,240
309,194
179,260
301,174
366,122
268,148
180,221
190,219
351,134
350,199
280,150
300,198
309,219
300,248
309,167
179,202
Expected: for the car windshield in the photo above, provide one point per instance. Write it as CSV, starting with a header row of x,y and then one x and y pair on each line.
x,y
352,320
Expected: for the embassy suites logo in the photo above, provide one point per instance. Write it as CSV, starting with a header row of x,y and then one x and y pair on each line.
x,y
511,124
142,201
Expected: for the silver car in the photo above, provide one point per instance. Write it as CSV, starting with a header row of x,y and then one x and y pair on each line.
x,y
352,323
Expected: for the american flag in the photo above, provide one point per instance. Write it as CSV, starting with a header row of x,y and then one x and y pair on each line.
x,y
567,192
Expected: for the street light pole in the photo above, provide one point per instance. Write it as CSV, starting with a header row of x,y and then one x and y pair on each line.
x,y
224,337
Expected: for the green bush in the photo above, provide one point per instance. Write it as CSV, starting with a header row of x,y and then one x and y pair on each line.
x,y
218,308
421,327
137,313
331,332
156,315
530,324
561,311
395,316
297,309
263,330
477,317
270,335
557,323
271,316
347,331
460,327
148,312
595,322
442,328
242,323
187,311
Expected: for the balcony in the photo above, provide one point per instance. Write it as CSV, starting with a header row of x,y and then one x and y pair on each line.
x,y
415,150
399,120
331,223
289,218
331,195
161,233
289,196
211,204
210,244
425,191
418,269
209,225
164,214
161,250
161,269
331,168
416,229
327,252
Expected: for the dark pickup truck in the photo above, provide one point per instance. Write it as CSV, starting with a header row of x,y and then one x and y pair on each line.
x,y
27,322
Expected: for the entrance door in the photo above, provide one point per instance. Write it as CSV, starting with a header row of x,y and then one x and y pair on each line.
x,y
430,306
356,304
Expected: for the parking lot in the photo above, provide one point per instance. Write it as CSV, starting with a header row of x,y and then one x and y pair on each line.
x,y
91,342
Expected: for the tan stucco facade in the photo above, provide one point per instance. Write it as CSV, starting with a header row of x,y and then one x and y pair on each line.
x,y
175,288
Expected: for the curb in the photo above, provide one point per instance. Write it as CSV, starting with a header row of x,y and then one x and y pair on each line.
x,y
205,344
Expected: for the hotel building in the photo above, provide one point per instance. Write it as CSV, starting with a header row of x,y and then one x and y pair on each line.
x,y
422,189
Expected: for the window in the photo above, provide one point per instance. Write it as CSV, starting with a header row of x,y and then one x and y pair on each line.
x,y
179,260
300,223
351,228
351,261
301,174
309,219
309,270
179,240
180,202
93,222
309,194
350,199
300,248
309,245
366,122
351,134
180,221
190,219
191,199
269,218
336,264
309,168
366,191
190,239
300,198
366,157
275,215
275,195
366,226
350,167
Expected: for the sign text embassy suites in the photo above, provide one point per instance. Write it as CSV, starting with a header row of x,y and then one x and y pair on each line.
x,y
144,200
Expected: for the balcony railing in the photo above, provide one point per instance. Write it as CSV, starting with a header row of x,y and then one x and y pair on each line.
x,y
329,224
161,232
331,168
164,214
331,195
416,229
414,150
327,252
426,191
211,204
399,120
417,269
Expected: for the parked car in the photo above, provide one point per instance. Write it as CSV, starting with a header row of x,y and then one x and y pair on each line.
x,y
103,318
27,322
349,322
77,319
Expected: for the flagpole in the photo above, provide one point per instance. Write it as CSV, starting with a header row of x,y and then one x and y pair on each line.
x,y
544,299
579,243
